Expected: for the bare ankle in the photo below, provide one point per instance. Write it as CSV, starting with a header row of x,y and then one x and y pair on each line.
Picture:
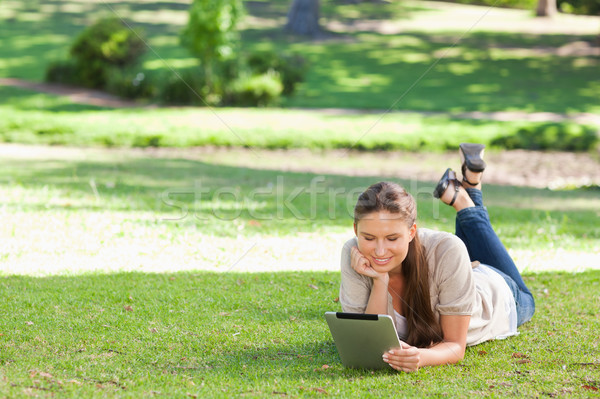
x,y
472,179
463,200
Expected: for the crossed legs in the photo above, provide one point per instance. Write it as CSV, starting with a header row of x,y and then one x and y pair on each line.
x,y
474,228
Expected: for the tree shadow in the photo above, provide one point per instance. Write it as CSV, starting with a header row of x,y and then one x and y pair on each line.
x,y
178,188
365,69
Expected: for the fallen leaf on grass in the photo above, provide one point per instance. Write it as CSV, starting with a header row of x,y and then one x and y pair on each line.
x,y
589,387
336,299
314,287
153,330
128,308
224,314
74,382
325,367
482,353
45,375
586,364
523,361
519,355
320,390
29,323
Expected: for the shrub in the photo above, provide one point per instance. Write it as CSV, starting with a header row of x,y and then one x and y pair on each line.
x,y
130,83
231,68
62,72
187,87
586,7
258,90
153,140
551,136
291,68
105,44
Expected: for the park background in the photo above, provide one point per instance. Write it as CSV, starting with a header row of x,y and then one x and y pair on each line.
x,y
152,249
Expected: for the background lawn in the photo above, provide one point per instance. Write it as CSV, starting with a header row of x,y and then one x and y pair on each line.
x,y
66,209
30,117
466,65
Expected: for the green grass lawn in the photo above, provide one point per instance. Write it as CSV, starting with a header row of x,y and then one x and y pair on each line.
x,y
75,325
66,332
420,69
29,117
263,335
170,196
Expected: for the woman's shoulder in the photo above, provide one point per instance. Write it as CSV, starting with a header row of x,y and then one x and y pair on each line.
x,y
445,252
438,240
353,242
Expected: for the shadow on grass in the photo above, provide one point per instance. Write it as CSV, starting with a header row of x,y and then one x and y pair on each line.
x,y
429,72
359,70
178,188
30,100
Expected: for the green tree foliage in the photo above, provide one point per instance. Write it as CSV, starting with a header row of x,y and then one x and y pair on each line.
x,y
211,31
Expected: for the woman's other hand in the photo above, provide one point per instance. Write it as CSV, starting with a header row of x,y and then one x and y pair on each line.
x,y
406,358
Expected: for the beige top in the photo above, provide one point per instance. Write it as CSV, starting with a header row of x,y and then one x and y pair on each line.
x,y
454,288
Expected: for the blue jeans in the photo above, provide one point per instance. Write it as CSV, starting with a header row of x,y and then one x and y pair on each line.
x,y
474,228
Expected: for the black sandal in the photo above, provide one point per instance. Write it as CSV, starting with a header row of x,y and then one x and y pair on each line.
x,y
448,178
472,160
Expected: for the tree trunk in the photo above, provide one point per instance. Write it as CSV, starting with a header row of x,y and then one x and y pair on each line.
x,y
546,8
303,18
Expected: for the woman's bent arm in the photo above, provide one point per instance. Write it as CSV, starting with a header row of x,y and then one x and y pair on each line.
x,y
378,300
450,350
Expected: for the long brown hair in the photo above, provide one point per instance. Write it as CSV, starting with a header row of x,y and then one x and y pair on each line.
x,y
423,327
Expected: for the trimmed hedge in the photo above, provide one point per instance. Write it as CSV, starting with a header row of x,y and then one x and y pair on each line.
x,y
551,136
523,4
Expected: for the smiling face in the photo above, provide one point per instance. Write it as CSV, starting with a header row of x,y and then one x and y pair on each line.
x,y
383,239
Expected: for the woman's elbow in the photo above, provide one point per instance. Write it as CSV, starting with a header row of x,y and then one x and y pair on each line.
x,y
458,350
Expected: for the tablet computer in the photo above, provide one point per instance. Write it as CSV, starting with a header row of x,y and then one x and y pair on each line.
x,y
361,339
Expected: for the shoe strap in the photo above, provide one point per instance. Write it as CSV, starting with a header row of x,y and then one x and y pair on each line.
x,y
455,183
468,182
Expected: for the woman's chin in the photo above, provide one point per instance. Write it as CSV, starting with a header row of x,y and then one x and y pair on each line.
x,y
384,268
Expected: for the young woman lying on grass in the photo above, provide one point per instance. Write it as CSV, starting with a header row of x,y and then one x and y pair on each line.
x,y
432,283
